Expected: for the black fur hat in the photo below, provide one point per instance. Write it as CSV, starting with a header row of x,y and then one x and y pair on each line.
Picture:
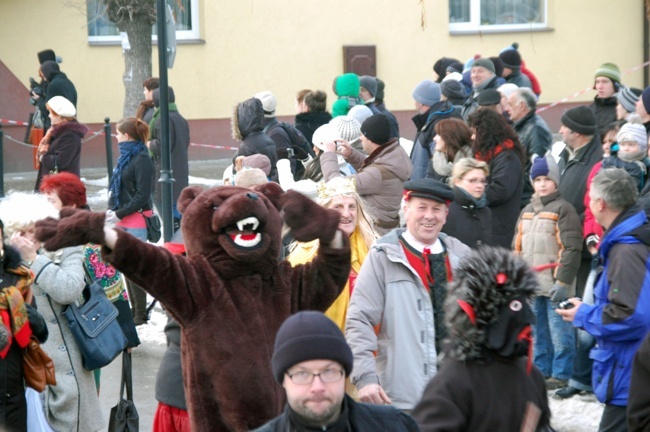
x,y
487,308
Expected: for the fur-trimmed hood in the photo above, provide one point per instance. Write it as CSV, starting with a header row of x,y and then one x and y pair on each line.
x,y
487,280
247,118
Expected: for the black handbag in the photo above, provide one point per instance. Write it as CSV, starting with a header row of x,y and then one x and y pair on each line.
x,y
93,323
124,417
153,227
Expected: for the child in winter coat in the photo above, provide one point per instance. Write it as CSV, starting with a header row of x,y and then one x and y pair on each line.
x,y
549,231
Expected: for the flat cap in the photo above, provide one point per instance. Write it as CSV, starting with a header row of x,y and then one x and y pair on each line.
x,y
430,189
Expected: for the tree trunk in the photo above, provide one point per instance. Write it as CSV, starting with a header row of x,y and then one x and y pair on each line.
x,y
135,17
137,64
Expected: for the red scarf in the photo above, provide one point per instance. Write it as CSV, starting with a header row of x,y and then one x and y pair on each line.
x,y
491,154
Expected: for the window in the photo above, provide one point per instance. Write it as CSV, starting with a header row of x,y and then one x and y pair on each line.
x,y
102,30
473,16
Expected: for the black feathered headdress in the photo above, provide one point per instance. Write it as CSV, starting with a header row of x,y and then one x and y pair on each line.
x,y
487,310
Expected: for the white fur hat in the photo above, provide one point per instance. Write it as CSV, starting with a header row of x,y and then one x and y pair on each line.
x,y
62,107
269,103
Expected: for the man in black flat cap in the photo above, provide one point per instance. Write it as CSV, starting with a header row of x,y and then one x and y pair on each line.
x,y
395,320
310,360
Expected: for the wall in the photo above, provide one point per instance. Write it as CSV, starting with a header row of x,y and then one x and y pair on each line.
x,y
287,45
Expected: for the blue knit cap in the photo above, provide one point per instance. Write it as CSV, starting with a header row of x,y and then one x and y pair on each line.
x,y
545,166
427,93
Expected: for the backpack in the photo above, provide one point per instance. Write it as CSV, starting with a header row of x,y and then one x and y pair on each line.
x,y
299,147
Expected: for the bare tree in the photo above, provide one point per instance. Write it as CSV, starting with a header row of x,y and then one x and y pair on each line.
x,y
135,17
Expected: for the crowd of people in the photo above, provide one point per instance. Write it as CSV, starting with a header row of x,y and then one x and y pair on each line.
x,y
489,267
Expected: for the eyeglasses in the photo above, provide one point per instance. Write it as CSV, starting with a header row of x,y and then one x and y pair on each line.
x,y
326,376
475,180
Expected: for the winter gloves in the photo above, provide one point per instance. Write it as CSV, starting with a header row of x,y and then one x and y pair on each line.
x,y
559,293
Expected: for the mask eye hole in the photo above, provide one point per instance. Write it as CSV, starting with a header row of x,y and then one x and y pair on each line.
x,y
515,305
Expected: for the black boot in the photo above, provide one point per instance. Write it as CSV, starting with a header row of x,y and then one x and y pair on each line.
x,y
138,299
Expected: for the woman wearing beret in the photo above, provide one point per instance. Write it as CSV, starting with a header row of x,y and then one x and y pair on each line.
x,y
60,148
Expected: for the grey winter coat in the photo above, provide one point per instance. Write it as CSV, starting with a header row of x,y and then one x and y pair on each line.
x,y
72,404
389,294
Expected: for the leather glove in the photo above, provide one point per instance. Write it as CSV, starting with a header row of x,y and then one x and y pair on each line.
x,y
559,293
76,227
309,221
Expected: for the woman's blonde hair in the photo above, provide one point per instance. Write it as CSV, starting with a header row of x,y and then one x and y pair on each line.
x,y
343,187
19,211
465,165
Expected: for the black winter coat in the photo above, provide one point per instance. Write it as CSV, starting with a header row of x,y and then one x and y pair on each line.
x,y
59,85
64,153
536,138
574,173
13,407
394,125
605,110
179,142
470,396
467,223
308,122
425,124
503,192
248,126
135,192
361,417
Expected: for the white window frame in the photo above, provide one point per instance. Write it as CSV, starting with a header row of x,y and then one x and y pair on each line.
x,y
181,35
474,26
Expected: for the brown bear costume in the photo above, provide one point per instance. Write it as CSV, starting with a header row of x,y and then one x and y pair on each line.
x,y
230,294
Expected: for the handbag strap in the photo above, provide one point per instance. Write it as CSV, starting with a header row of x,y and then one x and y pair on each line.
x,y
127,379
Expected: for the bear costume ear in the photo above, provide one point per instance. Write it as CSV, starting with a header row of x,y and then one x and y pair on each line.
x,y
272,191
187,196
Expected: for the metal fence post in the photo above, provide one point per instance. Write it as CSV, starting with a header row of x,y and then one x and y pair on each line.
x,y
109,148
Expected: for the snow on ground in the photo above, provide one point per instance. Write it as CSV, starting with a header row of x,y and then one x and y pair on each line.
x,y
576,414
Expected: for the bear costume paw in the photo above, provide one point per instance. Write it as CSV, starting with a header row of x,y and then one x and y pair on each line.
x,y
76,227
309,221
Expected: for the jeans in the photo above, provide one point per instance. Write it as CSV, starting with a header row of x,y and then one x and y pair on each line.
x,y
553,340
581,378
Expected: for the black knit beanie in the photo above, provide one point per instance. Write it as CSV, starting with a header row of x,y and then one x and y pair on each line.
x,y
309,335
511,59
581,120
377,129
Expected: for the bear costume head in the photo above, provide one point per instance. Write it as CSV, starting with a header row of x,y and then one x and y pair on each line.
x,y
232,223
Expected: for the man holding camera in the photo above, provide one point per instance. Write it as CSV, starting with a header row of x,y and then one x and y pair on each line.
x,y
380,175
620,316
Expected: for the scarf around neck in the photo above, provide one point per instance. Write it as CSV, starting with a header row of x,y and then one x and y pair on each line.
x,y
128,149
13,310
156,114
468,200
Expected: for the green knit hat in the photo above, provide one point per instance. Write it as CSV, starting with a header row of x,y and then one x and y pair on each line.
x,y
609,70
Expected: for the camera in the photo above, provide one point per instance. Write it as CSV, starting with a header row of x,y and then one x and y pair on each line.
x,y
35,89
565,304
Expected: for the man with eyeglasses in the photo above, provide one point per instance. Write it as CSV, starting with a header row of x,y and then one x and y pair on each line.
x,y
310,360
